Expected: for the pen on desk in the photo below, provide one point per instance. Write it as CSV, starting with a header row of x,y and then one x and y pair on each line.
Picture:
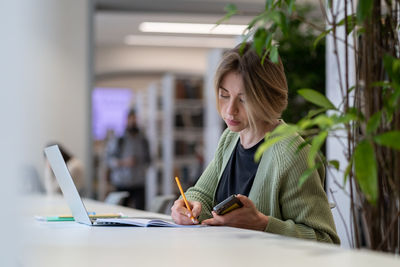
x,y
185,200
95,216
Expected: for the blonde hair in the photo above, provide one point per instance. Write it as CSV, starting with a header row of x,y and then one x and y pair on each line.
x,y
265,85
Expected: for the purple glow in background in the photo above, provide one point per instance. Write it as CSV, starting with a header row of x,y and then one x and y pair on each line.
x,y
110,108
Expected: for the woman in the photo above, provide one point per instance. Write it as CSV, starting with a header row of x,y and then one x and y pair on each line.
x,y
251,98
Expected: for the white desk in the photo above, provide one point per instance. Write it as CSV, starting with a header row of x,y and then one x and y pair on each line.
x,y
72,244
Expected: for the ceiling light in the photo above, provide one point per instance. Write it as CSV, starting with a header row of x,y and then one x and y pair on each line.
x,y
179,41
192,28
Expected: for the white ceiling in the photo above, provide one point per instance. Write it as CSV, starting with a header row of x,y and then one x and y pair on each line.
x,y
111,28
115,19
249,7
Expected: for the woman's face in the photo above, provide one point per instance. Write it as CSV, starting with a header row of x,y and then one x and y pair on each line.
x,y
231,99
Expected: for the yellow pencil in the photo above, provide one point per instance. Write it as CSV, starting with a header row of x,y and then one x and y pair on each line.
x,y
184,199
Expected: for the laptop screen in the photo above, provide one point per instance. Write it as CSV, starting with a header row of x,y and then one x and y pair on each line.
x,y
67,185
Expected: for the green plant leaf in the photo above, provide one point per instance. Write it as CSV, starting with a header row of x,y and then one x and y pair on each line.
x,y
389,113
307,173
364,10
320,37
314,112
285,129
351,23
279,133
305,123
268,40
242,46
264,146
384,84
392,67
334,163
316,144
392,101
347,171
230,10
283,23
345,118
266,53
373,122
268,4
259,40
291,6
390,139
387,63
316,98
350,20
273,16
301,146
351,89
366,170
360,30
330,5
323,121
267,45
256,19
273,55
356,113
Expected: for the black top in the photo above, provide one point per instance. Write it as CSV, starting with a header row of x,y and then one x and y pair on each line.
x,y
239,173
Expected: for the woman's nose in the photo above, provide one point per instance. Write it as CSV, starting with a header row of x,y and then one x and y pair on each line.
x,y
232,107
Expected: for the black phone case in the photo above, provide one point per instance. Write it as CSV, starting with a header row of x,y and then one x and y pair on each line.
x,y
229,204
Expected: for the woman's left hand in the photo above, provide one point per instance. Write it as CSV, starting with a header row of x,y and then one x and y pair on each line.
x,y
247,217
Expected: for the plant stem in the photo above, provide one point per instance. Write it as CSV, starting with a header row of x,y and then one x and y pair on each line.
x,y
342,218
388,231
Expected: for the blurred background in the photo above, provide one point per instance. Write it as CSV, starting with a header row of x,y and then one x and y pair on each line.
x,y
72,70
82,65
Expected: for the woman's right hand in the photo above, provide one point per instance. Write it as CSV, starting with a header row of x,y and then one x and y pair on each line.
x,y
181,215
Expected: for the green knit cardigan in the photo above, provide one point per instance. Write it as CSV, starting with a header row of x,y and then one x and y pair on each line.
x,y
294,211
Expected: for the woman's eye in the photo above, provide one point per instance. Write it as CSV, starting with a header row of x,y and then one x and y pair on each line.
x,y
241,100
224,96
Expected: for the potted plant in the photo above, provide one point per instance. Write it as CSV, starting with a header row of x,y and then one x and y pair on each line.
x,y
368,117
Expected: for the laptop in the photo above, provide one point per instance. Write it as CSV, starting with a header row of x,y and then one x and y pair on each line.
x,y
77,207
67,186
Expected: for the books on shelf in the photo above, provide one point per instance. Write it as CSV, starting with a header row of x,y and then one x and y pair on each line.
x,y
188,88
178,130
189,119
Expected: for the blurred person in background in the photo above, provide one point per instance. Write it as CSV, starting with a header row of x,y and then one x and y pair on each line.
x,y
128,158
75,168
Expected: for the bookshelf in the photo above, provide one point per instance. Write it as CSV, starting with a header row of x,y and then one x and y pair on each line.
x,y
184,128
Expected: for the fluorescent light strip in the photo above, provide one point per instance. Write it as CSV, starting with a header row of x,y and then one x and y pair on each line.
x,y
175,41
192,28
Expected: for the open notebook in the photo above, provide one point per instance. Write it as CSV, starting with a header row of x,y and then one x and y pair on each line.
x,y
142,222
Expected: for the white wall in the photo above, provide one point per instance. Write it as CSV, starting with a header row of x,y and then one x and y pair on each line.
x,y
334,148
135,81
110,59
54,72
212,120
44,94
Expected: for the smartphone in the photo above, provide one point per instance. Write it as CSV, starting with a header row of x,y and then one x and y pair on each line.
x,y
229,204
